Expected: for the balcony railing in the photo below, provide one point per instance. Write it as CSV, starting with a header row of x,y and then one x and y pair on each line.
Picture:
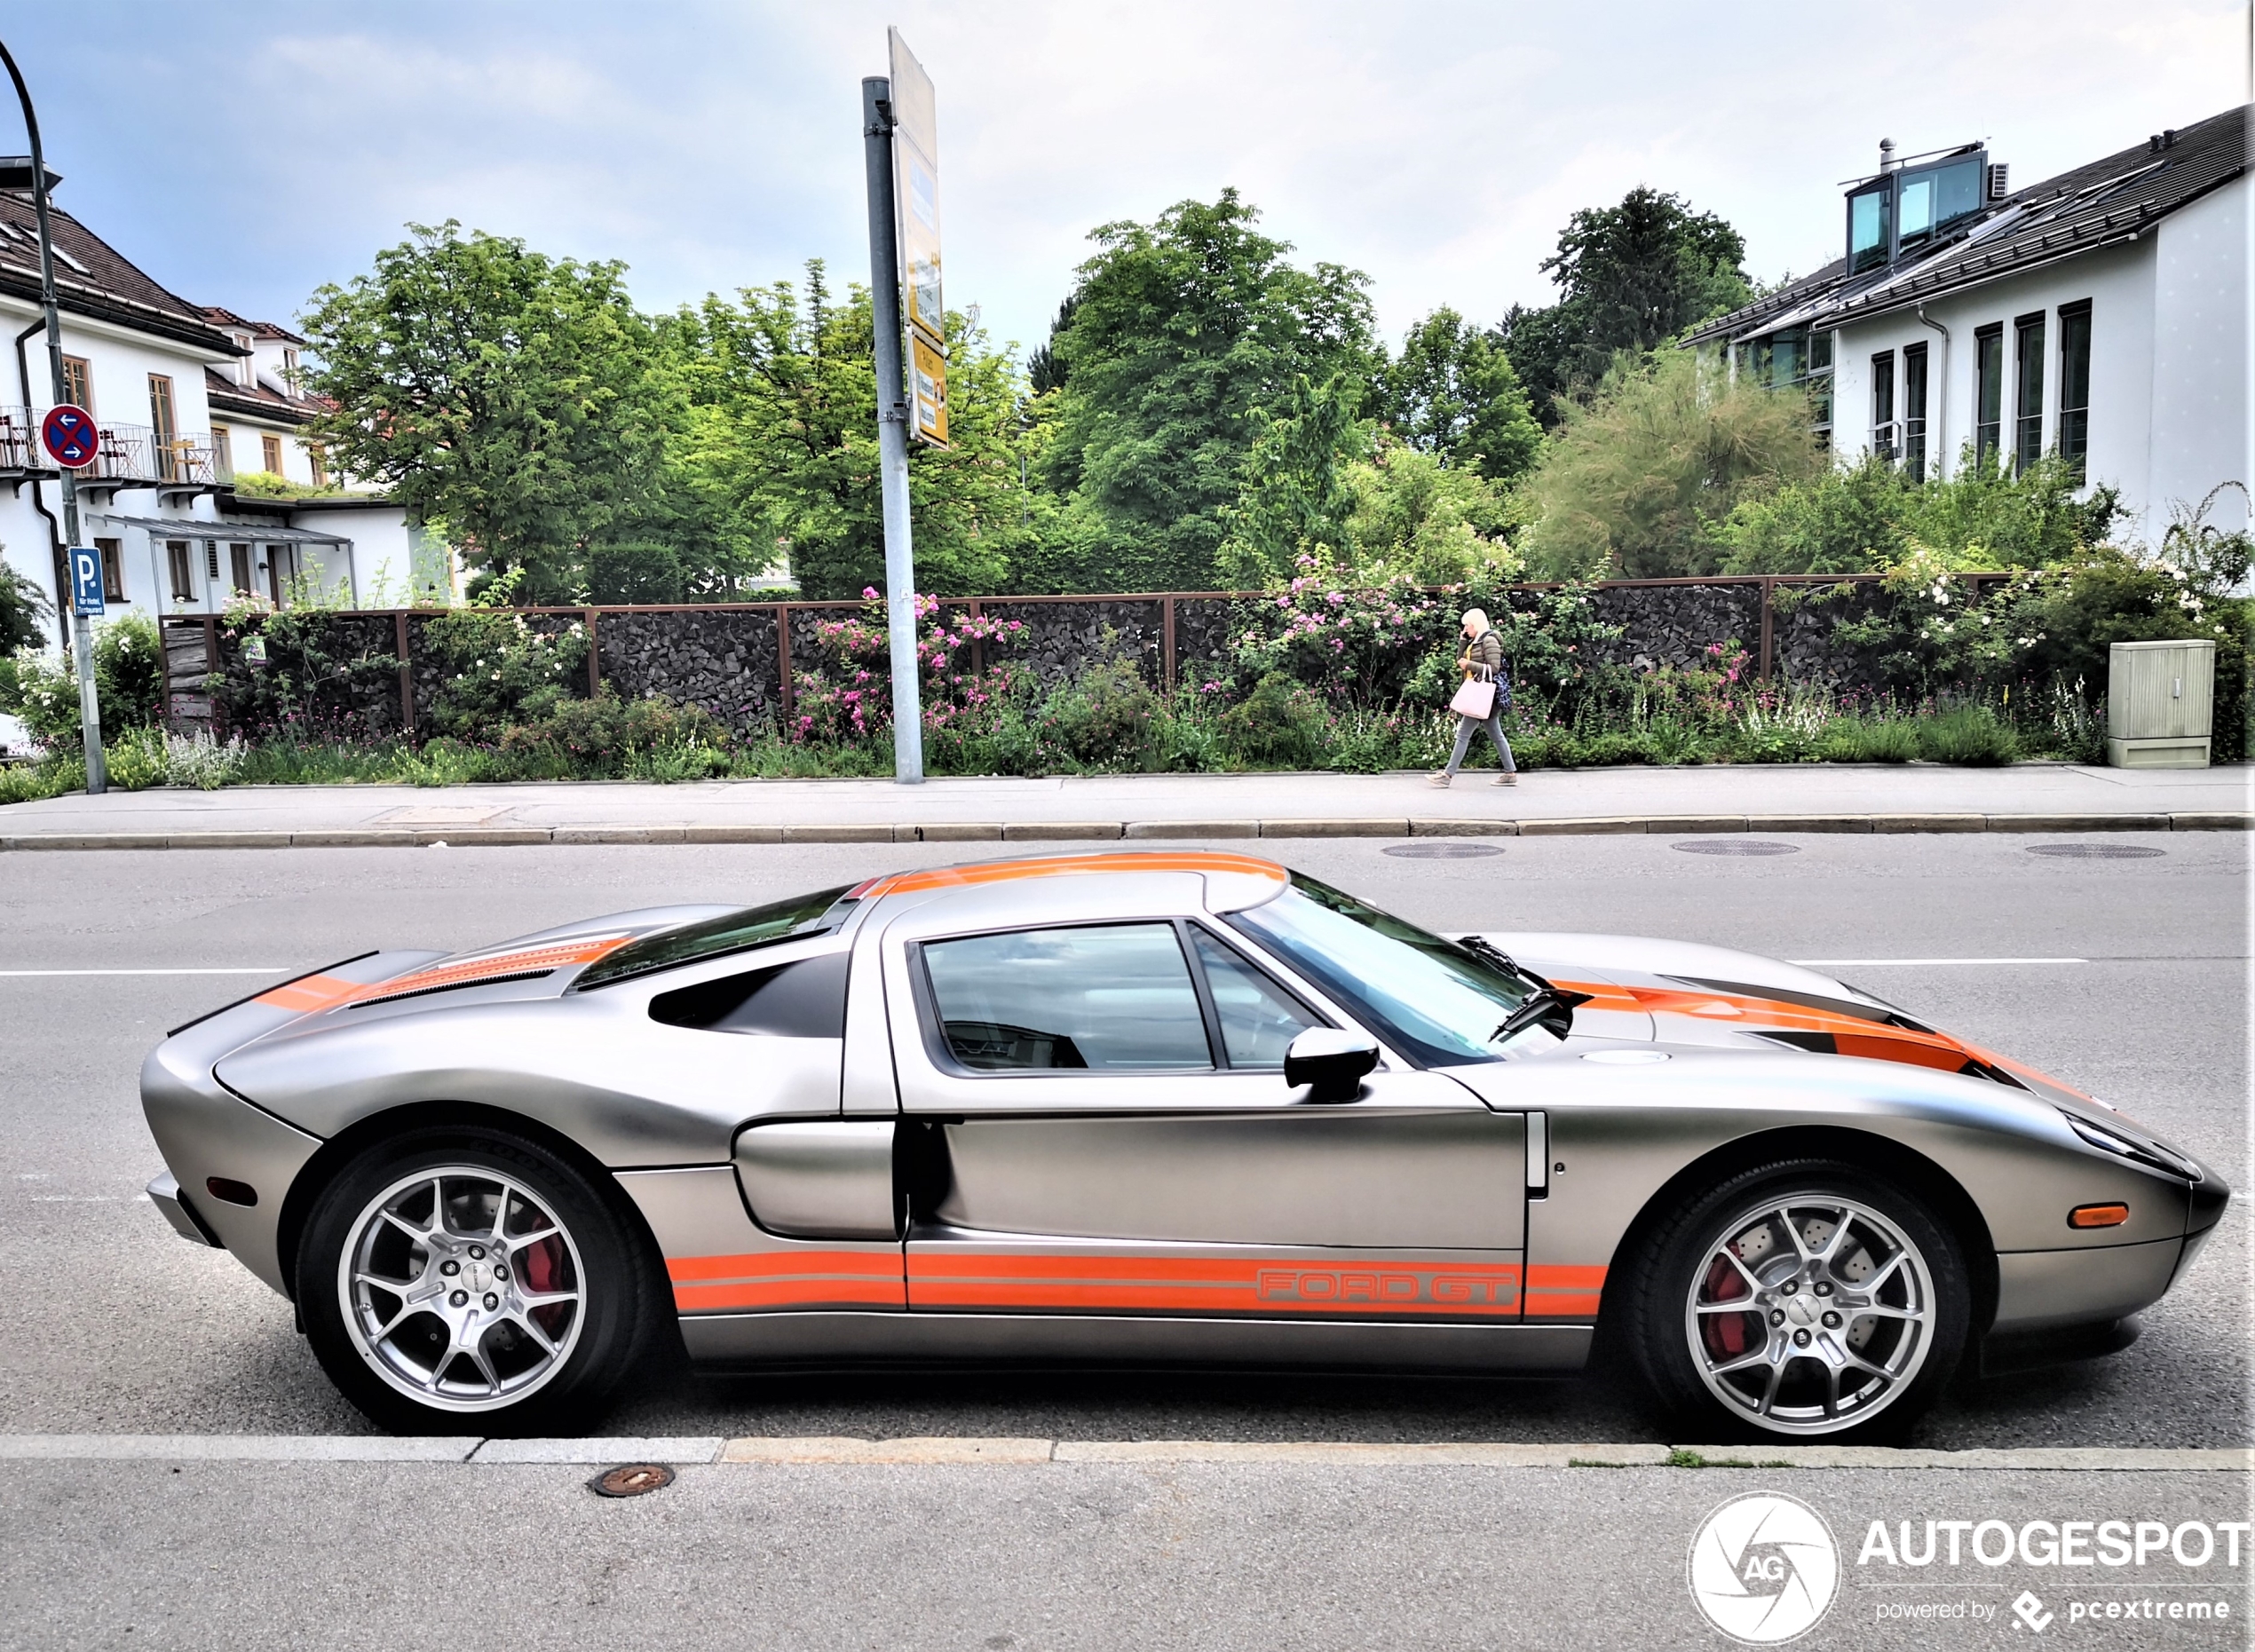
x,y
135,454
20,448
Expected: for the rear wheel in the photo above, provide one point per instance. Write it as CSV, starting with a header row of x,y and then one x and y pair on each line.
x,y
1801,1300
472,1277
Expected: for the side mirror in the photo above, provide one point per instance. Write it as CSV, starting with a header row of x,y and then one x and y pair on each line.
x,y
1330,1062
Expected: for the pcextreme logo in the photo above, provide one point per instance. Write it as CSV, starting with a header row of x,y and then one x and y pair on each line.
x,y
1764,1569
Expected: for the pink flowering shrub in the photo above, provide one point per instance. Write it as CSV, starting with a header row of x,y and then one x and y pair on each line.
x,y
848,697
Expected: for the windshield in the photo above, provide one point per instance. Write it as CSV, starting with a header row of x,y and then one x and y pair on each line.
x,y
1428,997
730,932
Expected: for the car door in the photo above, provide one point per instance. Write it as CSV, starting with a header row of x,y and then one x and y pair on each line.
x,y
1095,1121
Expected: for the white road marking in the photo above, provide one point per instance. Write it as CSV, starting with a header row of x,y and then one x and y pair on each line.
x,y
1920,963
23,973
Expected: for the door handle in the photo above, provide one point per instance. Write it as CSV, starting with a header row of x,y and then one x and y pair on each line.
x,y
1537,1156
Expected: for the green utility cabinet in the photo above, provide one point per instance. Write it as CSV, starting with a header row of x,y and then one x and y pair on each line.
x,y
2160,704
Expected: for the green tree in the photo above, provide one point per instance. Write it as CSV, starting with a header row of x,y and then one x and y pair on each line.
x,y
1627,487
782,420
22,607
1453,391
1629,277
501,396
1438,524
1181,331
1294,500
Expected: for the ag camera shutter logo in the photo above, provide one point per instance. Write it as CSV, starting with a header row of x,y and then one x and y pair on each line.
x,y
1764,1569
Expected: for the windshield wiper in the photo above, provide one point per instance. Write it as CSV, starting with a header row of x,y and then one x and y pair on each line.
x,y
1487,951
1547,1006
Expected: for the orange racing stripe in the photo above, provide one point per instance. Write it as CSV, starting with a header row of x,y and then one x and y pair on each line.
x,y
311,994
1056,865
794,1278
945,1277
1563,1289
1851,1035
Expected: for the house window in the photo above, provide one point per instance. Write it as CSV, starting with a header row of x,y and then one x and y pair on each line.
x,y
78,382
163,427
112,552
176,553
2074,385
1870,227
1988,391
223,454
2028,401
315,457
289,369
238,566
1820,387
270,452
1914,410
1883,443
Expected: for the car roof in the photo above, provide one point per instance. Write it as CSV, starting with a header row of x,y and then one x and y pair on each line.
x,y
1232,882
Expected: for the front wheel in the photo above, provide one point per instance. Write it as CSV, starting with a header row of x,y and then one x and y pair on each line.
x,y
459,1277
1808,1300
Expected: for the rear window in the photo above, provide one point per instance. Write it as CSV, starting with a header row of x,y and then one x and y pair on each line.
x,y
732,932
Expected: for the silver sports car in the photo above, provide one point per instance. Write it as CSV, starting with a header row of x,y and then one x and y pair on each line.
x,y
1148,1107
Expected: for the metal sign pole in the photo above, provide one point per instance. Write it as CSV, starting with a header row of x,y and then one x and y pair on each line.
x,y
892,436
82,629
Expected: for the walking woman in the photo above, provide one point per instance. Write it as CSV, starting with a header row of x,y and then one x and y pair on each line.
x,y
1485,692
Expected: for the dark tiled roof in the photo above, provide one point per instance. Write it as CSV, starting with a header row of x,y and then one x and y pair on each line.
x,y
220,315
259,401
2098,205
92,279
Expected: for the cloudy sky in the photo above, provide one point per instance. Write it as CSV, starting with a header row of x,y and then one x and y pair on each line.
x,y
247,151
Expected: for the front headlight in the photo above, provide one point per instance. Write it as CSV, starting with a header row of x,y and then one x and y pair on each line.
x,y
2151,1155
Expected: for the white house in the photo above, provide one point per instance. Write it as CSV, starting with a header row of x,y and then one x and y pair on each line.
x,y
184,397
2102,314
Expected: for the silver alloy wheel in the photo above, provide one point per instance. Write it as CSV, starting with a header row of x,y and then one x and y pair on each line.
x,y
462,1288
1811,1315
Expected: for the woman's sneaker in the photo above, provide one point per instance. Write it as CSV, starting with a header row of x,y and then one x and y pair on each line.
x,y
1510,779
1440,777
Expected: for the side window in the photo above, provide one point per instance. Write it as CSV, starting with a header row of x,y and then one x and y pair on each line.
x,y
1259,1021
1112,997
805,1000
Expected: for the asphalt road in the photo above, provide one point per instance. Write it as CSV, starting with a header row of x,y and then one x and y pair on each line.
x,y
114,1325
992,1559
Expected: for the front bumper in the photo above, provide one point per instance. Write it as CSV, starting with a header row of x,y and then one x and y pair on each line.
x,y
164,1193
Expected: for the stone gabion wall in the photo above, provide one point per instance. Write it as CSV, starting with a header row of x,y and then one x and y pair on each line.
x,y
724,660
728,660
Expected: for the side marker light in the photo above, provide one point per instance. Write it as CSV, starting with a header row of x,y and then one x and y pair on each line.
x,y
2098,1215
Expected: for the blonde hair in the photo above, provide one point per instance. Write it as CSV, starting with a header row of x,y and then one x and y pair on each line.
x,y
1477,616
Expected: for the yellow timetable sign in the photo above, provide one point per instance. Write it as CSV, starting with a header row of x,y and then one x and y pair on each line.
x,y
927,391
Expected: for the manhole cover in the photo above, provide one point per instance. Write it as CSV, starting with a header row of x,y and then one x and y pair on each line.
x,y
2095,851
1734,846
1441,849
631,1480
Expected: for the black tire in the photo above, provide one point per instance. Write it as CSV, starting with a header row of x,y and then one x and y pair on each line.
x,y
600,1261
1683,1253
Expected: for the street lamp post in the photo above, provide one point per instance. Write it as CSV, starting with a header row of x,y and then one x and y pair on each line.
x,y
82,630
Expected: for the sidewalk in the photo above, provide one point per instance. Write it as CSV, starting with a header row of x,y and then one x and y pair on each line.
x,y
2029,797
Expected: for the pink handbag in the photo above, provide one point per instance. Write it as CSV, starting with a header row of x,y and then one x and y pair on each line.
x,y
1475,699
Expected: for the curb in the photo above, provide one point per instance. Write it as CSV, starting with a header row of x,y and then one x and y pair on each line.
x,y
947,1451
1113,831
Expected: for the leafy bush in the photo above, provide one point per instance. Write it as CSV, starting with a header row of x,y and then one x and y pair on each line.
x,y
647,738
1279,725
1970,735
1107,719
1870,517
23,606
496,668
128,673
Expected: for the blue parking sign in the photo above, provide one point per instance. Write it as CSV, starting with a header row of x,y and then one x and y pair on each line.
x,y
85,581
